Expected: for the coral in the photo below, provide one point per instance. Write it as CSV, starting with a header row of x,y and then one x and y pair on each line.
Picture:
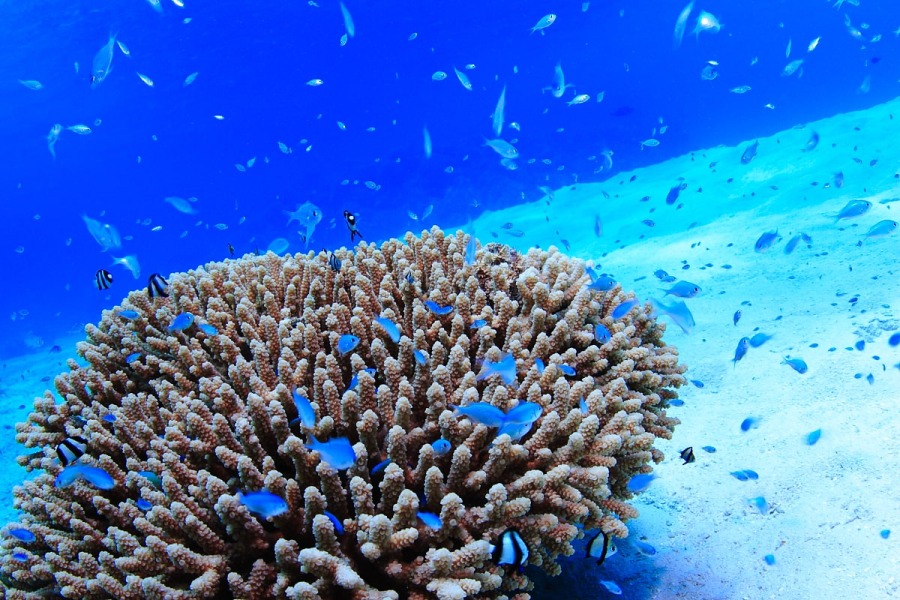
x,y
207,413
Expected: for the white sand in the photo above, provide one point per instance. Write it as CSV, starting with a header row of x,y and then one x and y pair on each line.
x,y
828,501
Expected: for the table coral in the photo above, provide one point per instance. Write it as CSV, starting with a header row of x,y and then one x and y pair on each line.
x,y
209,412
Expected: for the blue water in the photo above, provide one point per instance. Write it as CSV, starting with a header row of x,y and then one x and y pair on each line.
x,y
253,59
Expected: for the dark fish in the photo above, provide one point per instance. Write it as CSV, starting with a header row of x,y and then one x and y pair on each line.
x,y
511,550
598,226
648,222
737,316
660,274
687,455
792,243
839,179
741,350
672,196
759,339
601,547
749,423
71,449
55,349
102,279
408,276
157,286
812,142
565,243
350,218
334,262
749,153
766,241
230,249
506,225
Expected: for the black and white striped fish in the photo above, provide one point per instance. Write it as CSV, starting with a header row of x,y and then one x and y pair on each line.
x,y
601,547
71,449
334,262
157,286
511,550
102,279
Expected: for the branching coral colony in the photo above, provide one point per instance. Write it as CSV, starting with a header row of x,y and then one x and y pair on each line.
x,y
286,441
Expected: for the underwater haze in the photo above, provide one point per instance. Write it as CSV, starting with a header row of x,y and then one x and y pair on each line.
x,y
745,148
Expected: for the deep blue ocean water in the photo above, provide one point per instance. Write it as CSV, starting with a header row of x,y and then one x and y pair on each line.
x,y
253,60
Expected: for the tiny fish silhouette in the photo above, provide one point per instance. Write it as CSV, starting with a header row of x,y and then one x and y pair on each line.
x,y
766,241
737,316
813,436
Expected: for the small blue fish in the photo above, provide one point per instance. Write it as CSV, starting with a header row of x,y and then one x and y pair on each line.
x,y
749,423
305,410
131,315
624,308
644,548
770,559
390,327
710,449
860,345
854,208
602,283
515,431
143,504
525,412
152,478
132,357
813,436
441,447
95,476
335,522
885,533
478,324
208,329
22,535
583,406
760,504
437,309
737,316
347,343
697,383
566,369
677,311
739,475
796,364
20,556
894,340
420,357
741,350
264,503
355,379
684,289
766,241
792,244
481,412
640,482
337,452
611,586
759,339
540,365
601,333
380,466
676,402
505,368
430,519
109,418
181,322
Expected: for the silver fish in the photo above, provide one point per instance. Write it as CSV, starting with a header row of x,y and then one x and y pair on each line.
x,y
497,118
681,24
52,137
503,148
792,67
812,142
881,229
545,22
852,209
766,241
559,82
309,215
677,311
102,64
